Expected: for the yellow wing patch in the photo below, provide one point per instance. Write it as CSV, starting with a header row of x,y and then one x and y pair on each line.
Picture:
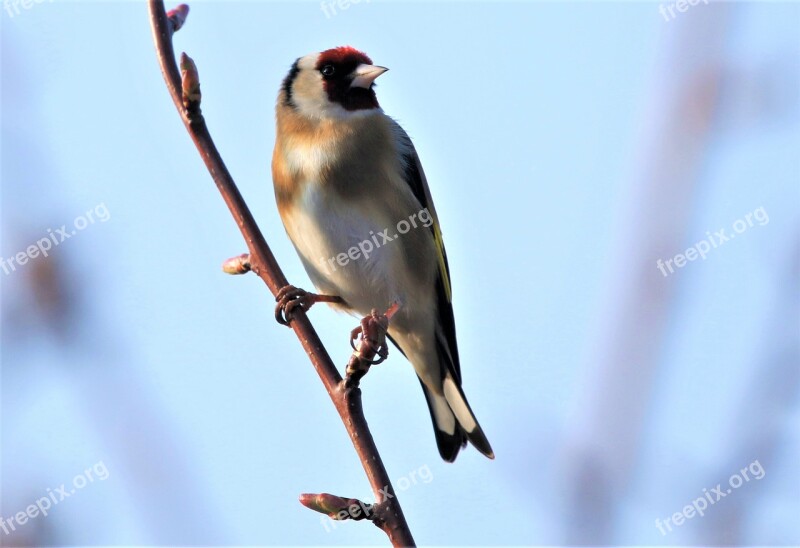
x,y
437,238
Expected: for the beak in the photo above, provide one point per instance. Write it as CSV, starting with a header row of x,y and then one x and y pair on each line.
x,y
365,75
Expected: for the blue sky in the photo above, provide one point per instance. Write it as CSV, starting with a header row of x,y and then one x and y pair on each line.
x,y
531,121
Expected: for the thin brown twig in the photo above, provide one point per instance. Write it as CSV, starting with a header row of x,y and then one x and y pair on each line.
x,y
346,395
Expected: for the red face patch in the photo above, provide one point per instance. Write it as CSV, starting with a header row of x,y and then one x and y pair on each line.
x,y
343,55
337,67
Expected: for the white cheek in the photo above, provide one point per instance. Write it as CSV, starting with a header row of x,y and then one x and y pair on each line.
x,y
322,109
310,104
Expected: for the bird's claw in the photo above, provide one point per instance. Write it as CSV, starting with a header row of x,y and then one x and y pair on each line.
x,y
373,334
289,298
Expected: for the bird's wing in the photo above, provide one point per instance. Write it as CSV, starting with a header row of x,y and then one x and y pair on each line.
x,y
415,177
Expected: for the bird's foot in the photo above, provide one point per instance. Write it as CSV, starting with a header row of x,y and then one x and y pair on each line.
x,y
372,331
289,298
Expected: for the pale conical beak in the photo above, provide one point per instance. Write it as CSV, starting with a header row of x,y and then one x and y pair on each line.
x,y
365,75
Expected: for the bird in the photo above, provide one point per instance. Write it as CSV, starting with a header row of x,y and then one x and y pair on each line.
x,y
354,200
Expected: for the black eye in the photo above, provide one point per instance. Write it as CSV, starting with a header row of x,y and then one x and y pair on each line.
x,y
328,70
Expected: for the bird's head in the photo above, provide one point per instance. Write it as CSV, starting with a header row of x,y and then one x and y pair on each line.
x,y
334,83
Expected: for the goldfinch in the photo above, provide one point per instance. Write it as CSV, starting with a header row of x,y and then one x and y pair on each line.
x,y
356,205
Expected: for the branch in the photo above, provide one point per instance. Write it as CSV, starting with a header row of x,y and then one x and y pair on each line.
x,y
345,394
338,508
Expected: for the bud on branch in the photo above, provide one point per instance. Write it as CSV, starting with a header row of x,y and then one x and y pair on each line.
x,y
337,508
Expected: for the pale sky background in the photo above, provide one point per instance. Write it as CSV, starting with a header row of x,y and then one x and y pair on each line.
x,y
531,120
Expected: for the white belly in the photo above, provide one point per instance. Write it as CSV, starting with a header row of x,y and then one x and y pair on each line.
x,y
343,250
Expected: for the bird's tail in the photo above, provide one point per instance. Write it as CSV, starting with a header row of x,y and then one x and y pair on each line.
x,y
453,421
